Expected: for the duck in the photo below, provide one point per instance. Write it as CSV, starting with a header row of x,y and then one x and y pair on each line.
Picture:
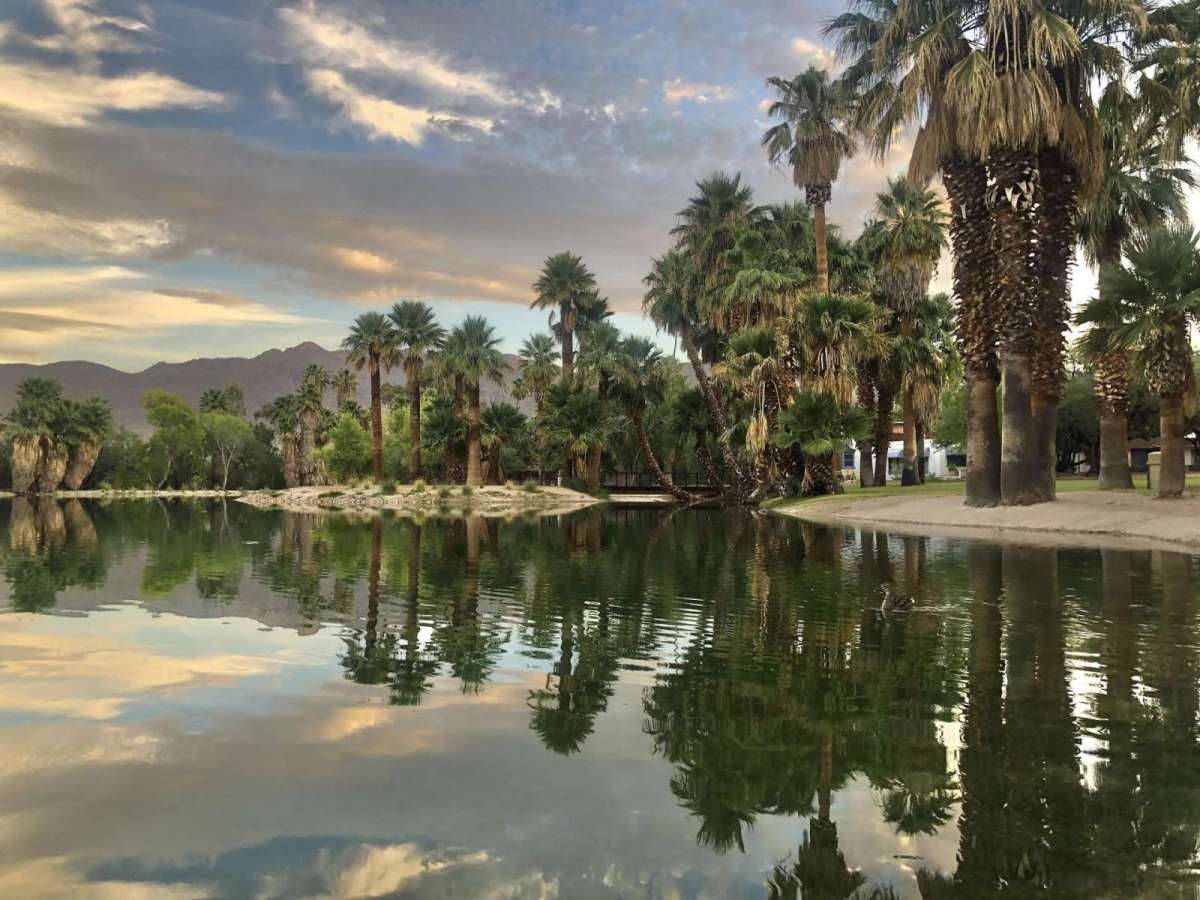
x,y
893,602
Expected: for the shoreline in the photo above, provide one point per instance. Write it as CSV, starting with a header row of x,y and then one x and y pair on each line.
x,y
490,500
1107,519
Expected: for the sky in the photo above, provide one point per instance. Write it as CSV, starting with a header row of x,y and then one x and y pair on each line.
x,y
220,177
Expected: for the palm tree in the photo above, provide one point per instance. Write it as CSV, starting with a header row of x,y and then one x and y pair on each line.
x,y
310,405
639,384
689,416
475,348
1159,293
813,139
345,387
539,369
417,336
1110,376
501,425
573,420
819,426
372,343
89,424
913,232
565,285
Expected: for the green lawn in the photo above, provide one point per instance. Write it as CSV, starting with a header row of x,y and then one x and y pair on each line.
x,y
949,488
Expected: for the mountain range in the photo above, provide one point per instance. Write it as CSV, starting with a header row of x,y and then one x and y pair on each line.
x,y
263,378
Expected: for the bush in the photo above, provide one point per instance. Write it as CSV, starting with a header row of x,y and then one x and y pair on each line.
x,y
388,488
443,492
530,487
418,486
349,452
467,490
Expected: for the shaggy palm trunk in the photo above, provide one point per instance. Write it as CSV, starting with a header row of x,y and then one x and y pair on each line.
x,y
710,469
289,454
414,422
308,448
1111,385
79,466
818,476
474,443
1015,297
595,459
660,476
1057,186
883,432
26,461
970,233
733,471
376,420
1173,444
52,469
908,473
568,347
983,440
817,195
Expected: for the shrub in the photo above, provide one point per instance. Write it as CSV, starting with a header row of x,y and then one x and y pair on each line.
x,y
467,490
418,486
530,487
349,452
388,488
443,492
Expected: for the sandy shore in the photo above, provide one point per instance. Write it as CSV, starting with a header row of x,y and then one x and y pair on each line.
x,y
1083,518
493,500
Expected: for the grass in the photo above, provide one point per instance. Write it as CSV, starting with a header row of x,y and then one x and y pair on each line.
x,y
951,487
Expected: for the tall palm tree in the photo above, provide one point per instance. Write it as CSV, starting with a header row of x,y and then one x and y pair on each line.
x,y
345,386
476,348
639,384
1110,364
814,139
1159,292
566,285
417,336
501,425
538,369
371,343
89,424
912,229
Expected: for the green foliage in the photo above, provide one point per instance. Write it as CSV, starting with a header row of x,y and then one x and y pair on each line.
x,y
950,427
229,438
348,452
818,425
530,486
176,449
418,486
388,488
443,492
229,399
467,490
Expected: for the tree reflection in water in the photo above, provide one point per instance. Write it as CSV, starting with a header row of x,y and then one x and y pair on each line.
x,y
1038,706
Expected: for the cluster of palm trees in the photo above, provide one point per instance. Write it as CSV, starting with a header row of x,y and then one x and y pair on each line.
x,y
55,441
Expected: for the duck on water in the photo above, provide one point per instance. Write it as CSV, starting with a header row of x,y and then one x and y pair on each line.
x,y
893,602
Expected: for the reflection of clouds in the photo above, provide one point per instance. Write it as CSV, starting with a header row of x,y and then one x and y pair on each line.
x,y
54,878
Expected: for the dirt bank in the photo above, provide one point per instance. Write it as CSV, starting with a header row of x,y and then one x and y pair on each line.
x,y
1082,518
489,501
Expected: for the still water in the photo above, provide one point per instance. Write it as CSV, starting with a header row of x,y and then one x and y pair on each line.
x,y
205,700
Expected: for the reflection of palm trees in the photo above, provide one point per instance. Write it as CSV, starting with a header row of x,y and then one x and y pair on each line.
x,y
819,871
46,555
411,681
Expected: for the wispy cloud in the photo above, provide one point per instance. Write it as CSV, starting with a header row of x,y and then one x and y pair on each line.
x,y
85,31
811,53
383,119
74,98
677,91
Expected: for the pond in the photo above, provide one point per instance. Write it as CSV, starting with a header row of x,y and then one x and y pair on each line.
x,y
211,700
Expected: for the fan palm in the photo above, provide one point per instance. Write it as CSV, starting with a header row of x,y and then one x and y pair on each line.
x,y
477,357
819,426
371,343
830,335
1159,293
345,387
501,425
813,139
89,423
417,336
310,397
565,285
1103,316
574,420
639,384
539,369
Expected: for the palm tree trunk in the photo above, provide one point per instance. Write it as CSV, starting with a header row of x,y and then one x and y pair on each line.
x,y
414,423
474,443
920,430
1115,474
883,432
674,490
568,346
26,460
983,440
376,420
736,476
710,469
595,459
866,399
1020,474
908,472
1173,472
817,196
1044,409
82,461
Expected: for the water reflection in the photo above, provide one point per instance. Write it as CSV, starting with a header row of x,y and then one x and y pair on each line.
x,y
720,707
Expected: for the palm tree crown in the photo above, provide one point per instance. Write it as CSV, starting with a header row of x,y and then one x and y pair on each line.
x,y
815,136
565,285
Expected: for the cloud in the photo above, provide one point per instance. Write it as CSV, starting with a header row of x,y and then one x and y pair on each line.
x,y
75,98
39,323
363,261
85,32
811,53
216,298
328,40
381,118
677,91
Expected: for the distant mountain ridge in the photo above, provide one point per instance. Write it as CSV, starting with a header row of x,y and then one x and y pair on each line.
x,y
263,378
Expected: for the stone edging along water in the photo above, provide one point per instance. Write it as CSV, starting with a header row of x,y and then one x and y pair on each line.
x,y
1119,520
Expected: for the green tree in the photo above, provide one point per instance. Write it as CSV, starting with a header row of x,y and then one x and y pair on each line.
x,y
567,286
229,439
502,426
372,344
820,427
229,399
176,447
349,450
87,426
418,335
345,387
477,357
